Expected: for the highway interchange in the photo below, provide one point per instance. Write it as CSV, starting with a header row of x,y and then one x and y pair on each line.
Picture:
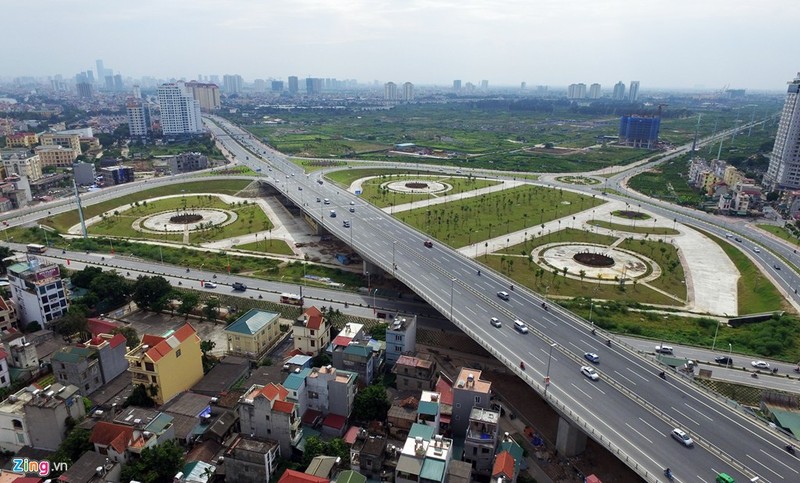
x,y
630,410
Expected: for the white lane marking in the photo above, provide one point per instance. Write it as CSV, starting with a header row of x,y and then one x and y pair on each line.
x,y
698,412
540,361
639,433
582,391
684,415
650,425
779,461
766,467
637,374
627,379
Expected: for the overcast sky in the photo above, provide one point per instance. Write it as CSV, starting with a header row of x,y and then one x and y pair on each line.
x,y
662,43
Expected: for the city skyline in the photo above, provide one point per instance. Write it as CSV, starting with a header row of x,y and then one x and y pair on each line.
x,y
677,44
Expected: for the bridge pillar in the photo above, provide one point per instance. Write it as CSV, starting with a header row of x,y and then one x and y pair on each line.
x,y
570,440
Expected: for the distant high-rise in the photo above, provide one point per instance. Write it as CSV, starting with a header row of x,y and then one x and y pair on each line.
x,y
314,85
109,82
206,94
180,111
633,93
594,91
484,84
84,90
576,91
293,84
784,164
639,131
138,118
408,92
390,91
118,83
523,85
232,84
101,71
90,76
260,85
277,86
619,91
137,92
456,85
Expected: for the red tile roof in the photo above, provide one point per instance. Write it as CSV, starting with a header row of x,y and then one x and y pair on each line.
x,y
292,476
273,391
100,326
342,340
314,318
283,407
310,417
159,346
3,304
335,421
445,390
117,340
351,434
116,436
503,465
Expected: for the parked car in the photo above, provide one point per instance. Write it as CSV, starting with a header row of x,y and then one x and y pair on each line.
x,y
590,373
680,436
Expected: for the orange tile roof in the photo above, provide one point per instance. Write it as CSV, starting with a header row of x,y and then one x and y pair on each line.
x,y
292,476
116,436
274,391
314,318
159,346
283,407
503,465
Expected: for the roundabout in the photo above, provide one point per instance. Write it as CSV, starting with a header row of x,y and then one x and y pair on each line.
x,y
596,262
417,186
193,220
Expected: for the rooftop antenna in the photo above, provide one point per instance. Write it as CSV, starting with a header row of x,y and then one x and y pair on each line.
x,y
80,210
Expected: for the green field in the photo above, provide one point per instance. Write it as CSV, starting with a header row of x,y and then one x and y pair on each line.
x,y
64,221
667,182
464,222
382,198
780,232
642,228
345,177
278,247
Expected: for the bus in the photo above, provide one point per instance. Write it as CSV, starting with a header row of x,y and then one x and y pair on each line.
x,y
36,248
291,299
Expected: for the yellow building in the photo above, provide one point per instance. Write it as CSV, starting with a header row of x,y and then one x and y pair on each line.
x,y
171,364
732,176
72,141
21,140
56,156
252,333
707,181
311,332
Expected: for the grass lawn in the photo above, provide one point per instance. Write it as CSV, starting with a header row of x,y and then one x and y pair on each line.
x,y
559,285
373,193
463,222
642,228
231,171
64,221
345,177
279,247
781,232
756,293
311,165
250,217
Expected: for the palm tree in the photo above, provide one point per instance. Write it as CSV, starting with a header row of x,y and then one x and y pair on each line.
x,y
582,274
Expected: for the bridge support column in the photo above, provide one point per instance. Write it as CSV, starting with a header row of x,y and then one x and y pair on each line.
x,y
570,440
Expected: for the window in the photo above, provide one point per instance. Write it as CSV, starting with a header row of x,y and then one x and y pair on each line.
x,y
154,379
458,405
312,343
148,366
177,353
312,332
477,399
16,423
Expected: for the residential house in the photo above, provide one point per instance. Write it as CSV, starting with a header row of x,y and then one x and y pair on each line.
x,y
112,440
92,467
222,376
401,337
481,439
508,461
171,364
8,315
424,457
444,388
311,332
350,476
368,453
253,333
193,415
469,391
111,350
364,357
266,412
48,413
331,391
428,410
401,416
79,366
195,472
157,423
292,476
414,373
14,432
322,466
249,459
5,375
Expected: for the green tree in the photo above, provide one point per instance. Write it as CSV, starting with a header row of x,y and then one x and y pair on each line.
x,y
156,464
74,445
130,334
83,278
378,332
371,404
139,397
211,309
74,322
111,287
5,252
315,447
189,301
151,293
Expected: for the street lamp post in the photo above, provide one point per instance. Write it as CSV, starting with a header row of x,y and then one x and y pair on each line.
x,y
374,308
368,284
547,376
452,288
714,344
591,307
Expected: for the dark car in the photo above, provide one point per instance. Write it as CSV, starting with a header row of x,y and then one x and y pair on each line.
x,y
725,360
428,243
239,286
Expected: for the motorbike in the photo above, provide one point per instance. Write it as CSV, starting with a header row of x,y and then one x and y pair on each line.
x,y
594,332
754,375
522,365
187,270
797,369
479,273
128,273
774,370
180,283
512,288
790,449
260,297
608,342
668,474
662,375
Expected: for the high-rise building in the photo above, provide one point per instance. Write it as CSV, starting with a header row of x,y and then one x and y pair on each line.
x,y
180,111
277,86
523,85
260,85
293,84
314,85
206,94
38,292
232,84
138,118
408,92
109,82
84,90
576,91
390,91
784,164
456,85
619,91
639,131
633,93
101,71
594,91
484,84
137,92
118,87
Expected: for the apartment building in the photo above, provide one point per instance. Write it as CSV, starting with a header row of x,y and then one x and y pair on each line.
x,y
481,439
63,139
38,292
21,162
311,332
57,156
91,365
469,391
414,373
37,417
266,412
171,364
249,459
425,456
401,337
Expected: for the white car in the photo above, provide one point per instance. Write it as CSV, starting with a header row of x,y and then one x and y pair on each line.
x,y
760,364
590,373
209,285
495,322
680,436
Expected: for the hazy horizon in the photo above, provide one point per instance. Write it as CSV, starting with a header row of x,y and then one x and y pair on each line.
x,y
677,44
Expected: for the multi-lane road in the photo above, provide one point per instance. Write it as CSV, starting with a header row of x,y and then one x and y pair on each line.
x,y
630,409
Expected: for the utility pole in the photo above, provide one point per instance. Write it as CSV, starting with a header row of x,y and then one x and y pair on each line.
x,y
80,210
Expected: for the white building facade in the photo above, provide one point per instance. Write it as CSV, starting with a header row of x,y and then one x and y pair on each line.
x,y
784,164
180,111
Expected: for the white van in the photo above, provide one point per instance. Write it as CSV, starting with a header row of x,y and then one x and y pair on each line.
x,y
520,326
